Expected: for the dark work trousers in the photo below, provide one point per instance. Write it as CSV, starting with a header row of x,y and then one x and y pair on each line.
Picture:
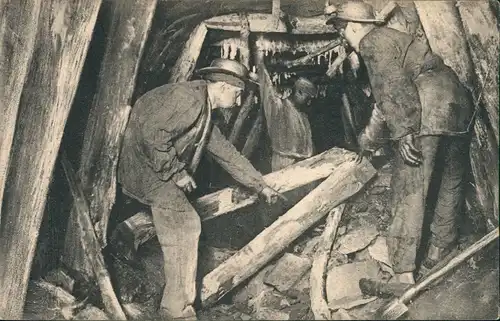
x,y
445,160
178,227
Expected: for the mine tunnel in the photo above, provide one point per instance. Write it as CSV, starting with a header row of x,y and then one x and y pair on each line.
x,y
135,48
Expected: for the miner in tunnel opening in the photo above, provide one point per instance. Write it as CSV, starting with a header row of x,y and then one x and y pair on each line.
x,y
428,113
169,127
287,122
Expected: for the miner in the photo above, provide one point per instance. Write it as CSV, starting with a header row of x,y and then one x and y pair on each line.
x,y
287,122
169,128
428,114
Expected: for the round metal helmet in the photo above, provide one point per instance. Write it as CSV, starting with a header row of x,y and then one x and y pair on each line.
x,y
355,11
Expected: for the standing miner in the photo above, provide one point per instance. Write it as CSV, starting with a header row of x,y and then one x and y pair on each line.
x,y
287,123
169,128
428,113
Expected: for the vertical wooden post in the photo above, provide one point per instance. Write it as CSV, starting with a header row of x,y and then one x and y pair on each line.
x,y
446,36
18,26
247,105
256,130
64,33
130,25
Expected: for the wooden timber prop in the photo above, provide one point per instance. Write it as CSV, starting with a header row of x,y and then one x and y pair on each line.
x,y
63,36
247,105
139,228
130,25
319,304
449,41
90,243
17,39
345,181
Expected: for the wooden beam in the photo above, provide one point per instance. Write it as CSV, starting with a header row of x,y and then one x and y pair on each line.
x,y
138,229
481,32
64,32
91,245
345,181
319,304
109,113
446,36
248,103
264,22
184,67
18,27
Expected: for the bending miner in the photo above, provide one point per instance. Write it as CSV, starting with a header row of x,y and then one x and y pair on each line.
x,y
169,128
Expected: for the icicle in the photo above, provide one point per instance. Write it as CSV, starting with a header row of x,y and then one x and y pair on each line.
x,y
221,51
254,70
234,50
226,50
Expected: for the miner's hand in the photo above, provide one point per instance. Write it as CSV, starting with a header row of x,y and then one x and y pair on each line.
x,y
409,152
271,196
186,183
362,154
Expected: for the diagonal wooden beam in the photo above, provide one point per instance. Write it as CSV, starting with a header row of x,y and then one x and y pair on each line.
x,y
18,27
64,32
130,24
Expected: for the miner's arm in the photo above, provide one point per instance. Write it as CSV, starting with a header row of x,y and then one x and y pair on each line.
x,y
233,162
271,102
395,93
373,135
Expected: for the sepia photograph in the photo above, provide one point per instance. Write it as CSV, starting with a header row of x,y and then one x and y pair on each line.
x,y
225,160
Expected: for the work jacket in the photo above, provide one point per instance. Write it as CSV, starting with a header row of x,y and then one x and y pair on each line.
x,y
159,141
415,92
289,129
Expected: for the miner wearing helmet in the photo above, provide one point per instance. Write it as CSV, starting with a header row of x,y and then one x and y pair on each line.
x,y
428,114
287,121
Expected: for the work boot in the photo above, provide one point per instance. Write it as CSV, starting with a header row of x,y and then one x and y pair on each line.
x,y
435,255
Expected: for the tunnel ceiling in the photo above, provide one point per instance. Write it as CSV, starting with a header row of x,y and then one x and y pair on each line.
x,y
175,19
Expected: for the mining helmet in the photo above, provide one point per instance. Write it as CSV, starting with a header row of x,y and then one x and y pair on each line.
x,y
352,11
227,70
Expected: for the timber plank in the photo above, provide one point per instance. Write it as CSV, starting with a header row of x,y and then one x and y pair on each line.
x,y
131,21
345,181
18,28
63,36
140,227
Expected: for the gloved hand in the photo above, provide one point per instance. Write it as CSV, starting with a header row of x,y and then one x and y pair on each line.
x,y
409,152
365,148
271,196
